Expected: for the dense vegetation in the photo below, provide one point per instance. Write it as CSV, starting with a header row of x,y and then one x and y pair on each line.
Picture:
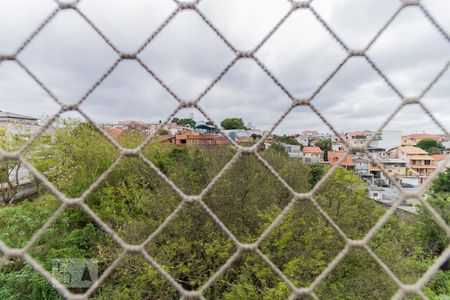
x,y
134,201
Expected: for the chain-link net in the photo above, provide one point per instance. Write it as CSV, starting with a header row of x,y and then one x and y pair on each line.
x,y
297,292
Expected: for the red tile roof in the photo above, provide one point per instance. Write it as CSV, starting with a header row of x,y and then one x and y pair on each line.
x,y
439,156
334,157
357,133
313,150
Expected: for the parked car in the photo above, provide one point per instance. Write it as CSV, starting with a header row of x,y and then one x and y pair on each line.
x,y
407,185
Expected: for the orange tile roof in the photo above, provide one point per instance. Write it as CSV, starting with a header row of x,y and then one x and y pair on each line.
x,y
357,133
439,156
334,157
314,150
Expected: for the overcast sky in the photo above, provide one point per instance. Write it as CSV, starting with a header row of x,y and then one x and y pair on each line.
x,y
68,56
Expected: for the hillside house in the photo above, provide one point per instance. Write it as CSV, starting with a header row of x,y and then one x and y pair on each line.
x,y
418,161
312,154
334,157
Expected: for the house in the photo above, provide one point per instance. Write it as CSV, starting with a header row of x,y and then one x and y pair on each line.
x,y
362,166
293,150
312,154
375,193
334,157
303,139
446,149
356,138
439,160
205,128
418,161
395,166
195,138
413,139
12,123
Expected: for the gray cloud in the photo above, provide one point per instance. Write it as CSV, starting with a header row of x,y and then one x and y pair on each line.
x,y
68,57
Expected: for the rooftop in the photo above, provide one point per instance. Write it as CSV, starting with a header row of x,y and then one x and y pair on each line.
x,y
334,157
410,150
439,156
8,115
314,150
423,136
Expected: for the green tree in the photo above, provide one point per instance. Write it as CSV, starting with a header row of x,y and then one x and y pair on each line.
x,y
286,139
324,144
233,123
430,145
184,122
325,155
441,184
9,169
256,137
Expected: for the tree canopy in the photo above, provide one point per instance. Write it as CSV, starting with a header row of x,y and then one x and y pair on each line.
x,y
286,139
133,200
430,145
233,123
184,122
324,145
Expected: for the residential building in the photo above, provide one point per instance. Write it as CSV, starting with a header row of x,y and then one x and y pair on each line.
x,y
205,128
446,149
303,139
439,160
312,154
334,157
293,150
413,139
195,138
13,123
375,193
419,162
356,138
362,166
395,166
